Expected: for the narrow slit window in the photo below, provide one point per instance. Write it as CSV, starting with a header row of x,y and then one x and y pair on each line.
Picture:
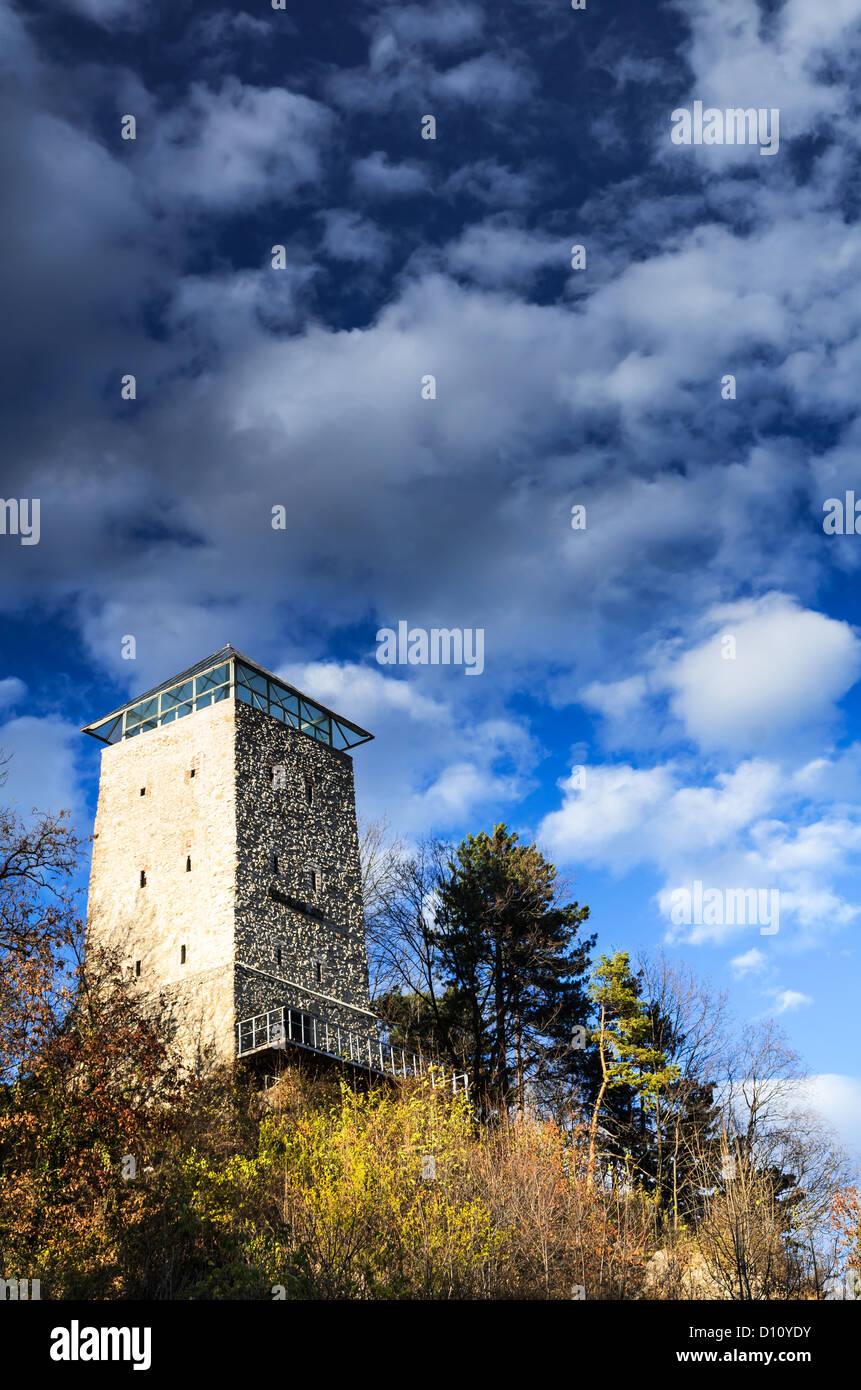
x,y
143,791
309,791
187,870
275,863
182,955
193,772
143,878
318,964
137,969
278,955
311,880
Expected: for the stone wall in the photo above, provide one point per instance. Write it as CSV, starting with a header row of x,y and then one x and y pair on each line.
x,y
187,813
318,929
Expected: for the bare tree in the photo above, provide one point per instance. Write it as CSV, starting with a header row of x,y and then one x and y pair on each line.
x,y
39,929
35,864
691,1025
381,854
770,1180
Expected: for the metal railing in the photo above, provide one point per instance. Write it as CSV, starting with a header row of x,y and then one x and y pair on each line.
x,y
286,1026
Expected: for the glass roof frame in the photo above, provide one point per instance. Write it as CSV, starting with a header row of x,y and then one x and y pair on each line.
x,y
227,674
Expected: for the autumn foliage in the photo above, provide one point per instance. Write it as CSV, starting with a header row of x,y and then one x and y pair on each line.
x,y
122,1176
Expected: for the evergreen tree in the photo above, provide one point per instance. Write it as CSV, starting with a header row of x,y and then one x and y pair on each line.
x,y
436,1026
634,1071
507,950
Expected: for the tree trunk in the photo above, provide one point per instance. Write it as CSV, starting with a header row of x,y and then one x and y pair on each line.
x,y
501,1039
518,1055
593,1127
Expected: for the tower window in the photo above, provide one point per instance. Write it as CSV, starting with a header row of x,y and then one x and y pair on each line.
x,y
278,955
137,969
143,791
143,878
187,870
192,772
182,955
275,863
311,880
318,971
309,791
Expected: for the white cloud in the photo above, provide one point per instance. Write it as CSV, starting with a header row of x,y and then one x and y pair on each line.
x,y
616,700
626,815
350,237
375,174
603,822
838,1099
446,25
12,691
400,64
106,12
220,311
220,29
434,762
831,779
738,60
488,181
459,790
41,771
789,999
236,146
750,962
494,253
738,832
487,79
363,693
766,670
791,666
17,52
487,474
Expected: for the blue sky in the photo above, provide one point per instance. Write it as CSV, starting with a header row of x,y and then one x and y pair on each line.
x,y
301,387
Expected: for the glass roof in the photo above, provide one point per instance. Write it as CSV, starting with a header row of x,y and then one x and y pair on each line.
x,y
224,675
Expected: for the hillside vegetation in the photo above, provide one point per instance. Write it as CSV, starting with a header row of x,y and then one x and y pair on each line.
x,y
623,1137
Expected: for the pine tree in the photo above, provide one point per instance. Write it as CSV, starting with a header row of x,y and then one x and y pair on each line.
x,y
507,948
629,1060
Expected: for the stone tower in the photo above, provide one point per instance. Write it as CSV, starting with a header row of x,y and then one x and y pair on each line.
x,y
225,856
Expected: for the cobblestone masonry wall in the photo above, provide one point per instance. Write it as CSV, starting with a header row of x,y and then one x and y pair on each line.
x,y
298,941
187,815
